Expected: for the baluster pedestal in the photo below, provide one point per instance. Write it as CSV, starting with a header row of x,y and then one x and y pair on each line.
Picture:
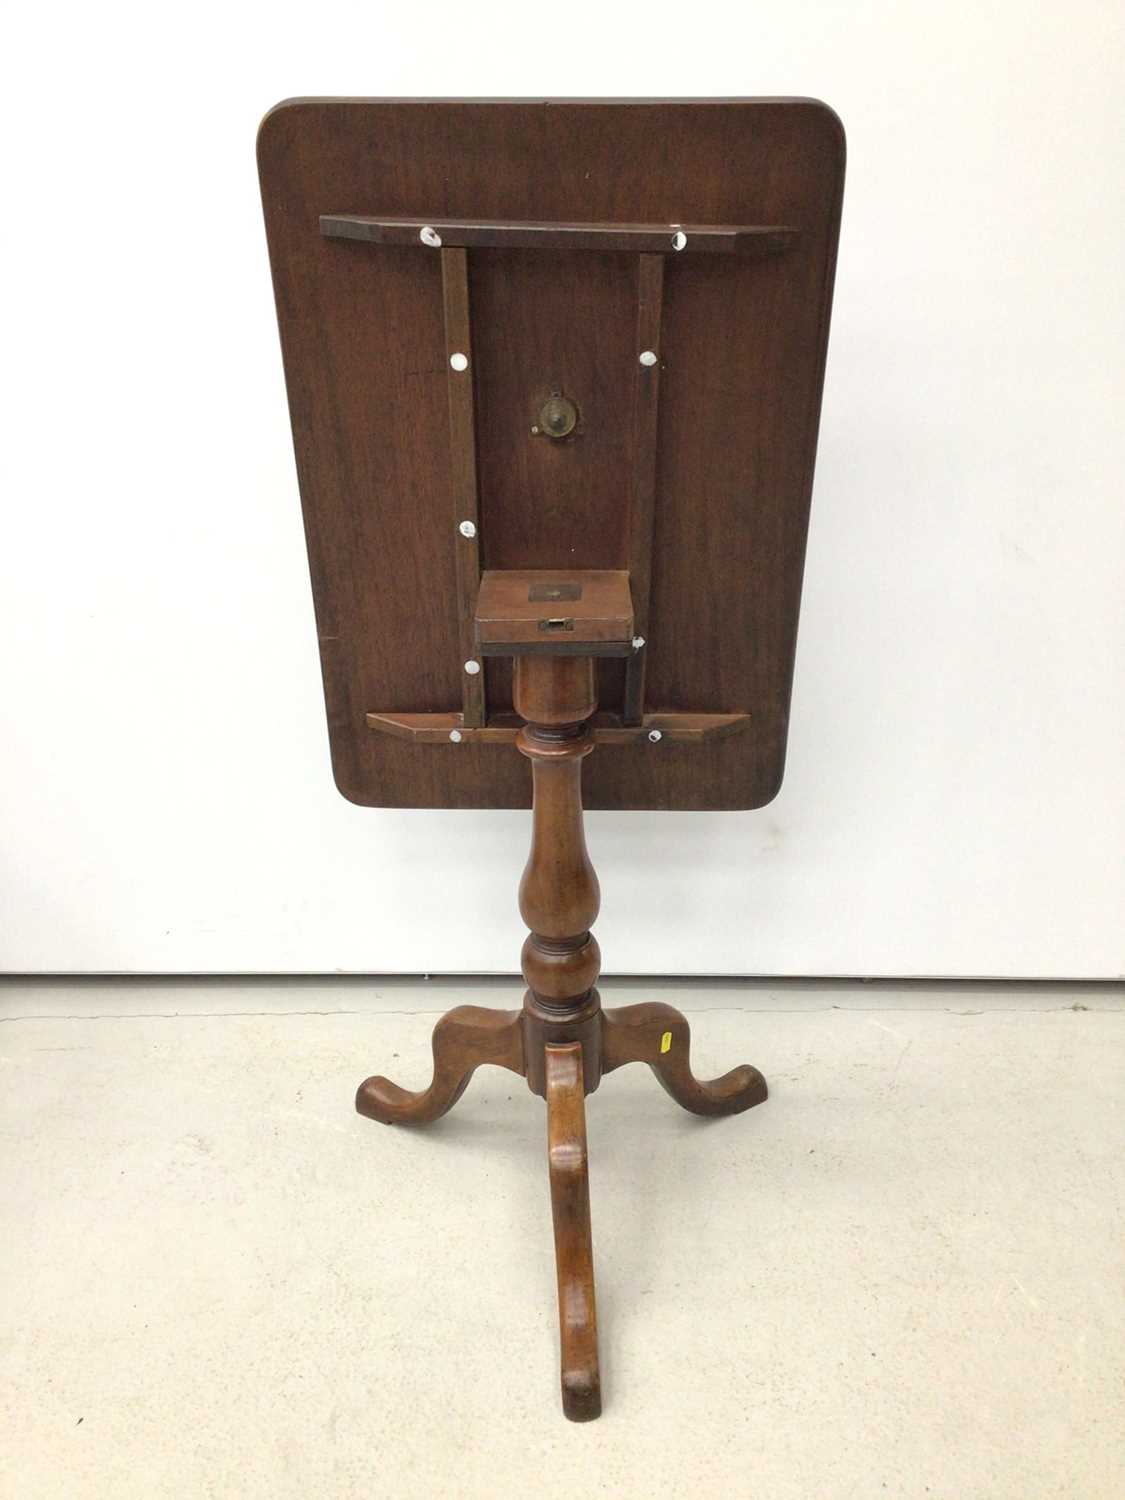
x,y
562,1041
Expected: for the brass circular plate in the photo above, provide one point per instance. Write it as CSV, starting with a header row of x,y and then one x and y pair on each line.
x,y
558,417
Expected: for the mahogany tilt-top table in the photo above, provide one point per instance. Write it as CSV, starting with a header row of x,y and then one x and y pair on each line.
x,y
554,372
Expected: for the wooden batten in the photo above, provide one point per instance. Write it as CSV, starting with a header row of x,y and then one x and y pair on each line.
x,y
495,234
607,728
463,460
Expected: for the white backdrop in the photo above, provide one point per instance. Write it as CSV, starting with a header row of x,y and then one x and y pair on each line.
x,y
954,797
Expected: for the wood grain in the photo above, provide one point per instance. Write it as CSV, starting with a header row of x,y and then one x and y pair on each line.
x,y
743,343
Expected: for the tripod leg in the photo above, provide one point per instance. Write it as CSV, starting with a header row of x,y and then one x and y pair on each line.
x,y
659,1035
463,1039
570,1207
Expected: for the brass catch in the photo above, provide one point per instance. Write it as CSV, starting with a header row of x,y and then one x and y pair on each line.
x,y
558,417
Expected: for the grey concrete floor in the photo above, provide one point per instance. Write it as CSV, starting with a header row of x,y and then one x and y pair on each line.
x,y
901,1277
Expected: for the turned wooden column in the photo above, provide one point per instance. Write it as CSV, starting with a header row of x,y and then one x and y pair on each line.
x,y
559,894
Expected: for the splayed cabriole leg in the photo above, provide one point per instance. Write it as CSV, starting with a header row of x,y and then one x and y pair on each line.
x,y
570,1208
660,1036
463,1040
